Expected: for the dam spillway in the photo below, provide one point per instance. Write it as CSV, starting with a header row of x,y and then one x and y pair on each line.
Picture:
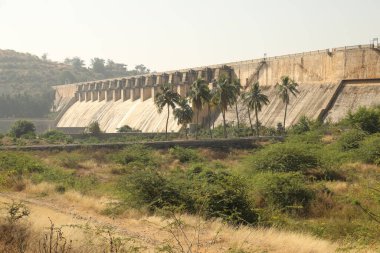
x,y
331,82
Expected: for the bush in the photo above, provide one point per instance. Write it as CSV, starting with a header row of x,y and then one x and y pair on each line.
x,y
147,188
19,163
22,128
220,194
125,129
184,154
202,191
286,191
285,157
303,125
54,136
368,119
369,151
70,160
94,128
138,155
351,139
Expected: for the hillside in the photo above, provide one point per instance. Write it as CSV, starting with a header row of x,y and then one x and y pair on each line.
x,y
25,80
22,72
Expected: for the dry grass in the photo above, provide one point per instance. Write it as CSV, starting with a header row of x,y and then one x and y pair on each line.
x,y
69,198
337,187
215,236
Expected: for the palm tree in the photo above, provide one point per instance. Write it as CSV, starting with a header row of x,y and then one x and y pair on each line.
x,y
199,95
237,87
224,96
284,89
255,99
183,114
167,97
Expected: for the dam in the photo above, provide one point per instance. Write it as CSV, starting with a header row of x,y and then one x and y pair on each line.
x,y
331,82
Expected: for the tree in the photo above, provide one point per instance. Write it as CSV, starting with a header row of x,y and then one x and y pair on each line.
x,y
94,128
77,63
141,69
98,66
22,127
224,96
183,114
255,99
284,89
199,95
237,87
166,97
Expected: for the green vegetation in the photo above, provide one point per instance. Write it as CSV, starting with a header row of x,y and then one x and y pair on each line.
x,y
322,179
26,79
169,98
254,99
94,128
285,157
286,88
23,128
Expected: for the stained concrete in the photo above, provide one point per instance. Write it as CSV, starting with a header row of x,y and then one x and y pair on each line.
x,y
318,74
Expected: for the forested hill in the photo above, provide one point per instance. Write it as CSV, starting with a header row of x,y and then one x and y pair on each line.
x,y
20,73
25,80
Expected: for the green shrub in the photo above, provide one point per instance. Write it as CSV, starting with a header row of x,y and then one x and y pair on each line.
x,y
23,128
202,191
369,151
309,137
351,139
303,125
138,155
94,128
147,188
285,157
19,162
284,191
368,119
125,129
184,154
221,194
70,160
54,136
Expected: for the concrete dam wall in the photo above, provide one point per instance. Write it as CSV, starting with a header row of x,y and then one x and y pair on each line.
x,y
331,82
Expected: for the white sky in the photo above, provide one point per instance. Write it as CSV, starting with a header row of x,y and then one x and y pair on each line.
x,y
173,34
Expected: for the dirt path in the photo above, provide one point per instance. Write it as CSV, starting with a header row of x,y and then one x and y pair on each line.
x,y
43,210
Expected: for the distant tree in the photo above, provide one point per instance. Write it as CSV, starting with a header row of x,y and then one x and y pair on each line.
x,y
284,89
141,69
77,63
199,95
67,77
166,97
115,69
98,66
183,114
224,96
22,127
237,87
255,99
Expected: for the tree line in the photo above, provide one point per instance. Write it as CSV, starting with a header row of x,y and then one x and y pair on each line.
x,y
225,93
107,68
25,105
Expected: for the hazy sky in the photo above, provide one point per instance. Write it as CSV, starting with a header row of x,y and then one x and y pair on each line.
x,y
172,34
